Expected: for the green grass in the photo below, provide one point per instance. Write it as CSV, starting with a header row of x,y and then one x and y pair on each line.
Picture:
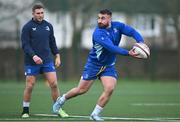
x,y
131,99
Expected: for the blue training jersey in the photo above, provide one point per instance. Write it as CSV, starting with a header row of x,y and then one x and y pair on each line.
x,y
106,41
38,39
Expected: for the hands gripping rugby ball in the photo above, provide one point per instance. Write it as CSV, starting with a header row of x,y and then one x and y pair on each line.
x,y
140,50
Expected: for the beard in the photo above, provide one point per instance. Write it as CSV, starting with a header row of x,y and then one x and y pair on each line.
x,y
38,19
100,25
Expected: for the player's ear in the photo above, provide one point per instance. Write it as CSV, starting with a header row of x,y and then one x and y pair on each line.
x,y
110,18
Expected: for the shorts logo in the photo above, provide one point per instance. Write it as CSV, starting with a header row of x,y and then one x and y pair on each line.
x,y
28,71
53,67
85,76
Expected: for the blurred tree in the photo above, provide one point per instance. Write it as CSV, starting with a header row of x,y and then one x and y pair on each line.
x,y
9,31
174,11
10,9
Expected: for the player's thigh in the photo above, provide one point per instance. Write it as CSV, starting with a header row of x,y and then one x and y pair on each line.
x,y
85,84
109,82
51,77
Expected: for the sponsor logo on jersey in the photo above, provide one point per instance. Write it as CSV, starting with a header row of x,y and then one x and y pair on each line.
x,y
34,29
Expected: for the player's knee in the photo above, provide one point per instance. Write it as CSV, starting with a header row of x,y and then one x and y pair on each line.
x,y
29,86
53,84
109,90
82,90
30,83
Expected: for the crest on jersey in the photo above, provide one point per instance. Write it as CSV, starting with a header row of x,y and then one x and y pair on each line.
x,y
115,30
47,28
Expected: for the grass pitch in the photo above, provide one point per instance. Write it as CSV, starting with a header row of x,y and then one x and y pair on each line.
x,y
131,101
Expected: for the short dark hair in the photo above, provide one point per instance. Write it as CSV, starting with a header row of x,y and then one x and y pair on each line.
x,y
37,6
105,11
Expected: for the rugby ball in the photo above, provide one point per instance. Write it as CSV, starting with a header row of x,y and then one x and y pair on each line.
x,y
141,50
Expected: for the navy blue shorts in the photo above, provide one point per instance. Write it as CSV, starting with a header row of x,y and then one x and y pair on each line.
x,y
39,69
92,71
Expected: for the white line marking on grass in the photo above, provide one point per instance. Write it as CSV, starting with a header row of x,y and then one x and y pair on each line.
x,y
54,115
116,118
156,104
47,115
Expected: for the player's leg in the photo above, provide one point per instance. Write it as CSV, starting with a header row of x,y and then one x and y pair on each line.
x,y
109,84
30,81
30,71
88,75
50,74
52,81
51,77
82,88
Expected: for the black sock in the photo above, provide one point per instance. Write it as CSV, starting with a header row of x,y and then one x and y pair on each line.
x,y
25,110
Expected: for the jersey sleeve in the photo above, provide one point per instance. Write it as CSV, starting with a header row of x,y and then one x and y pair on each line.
x,y
52,41
131,32
102,39
25,38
